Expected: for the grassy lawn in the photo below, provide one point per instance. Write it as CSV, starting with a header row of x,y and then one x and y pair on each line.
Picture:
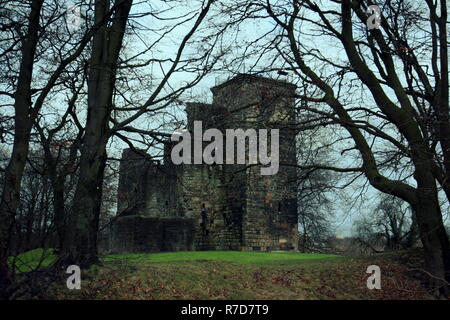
x,y
30,260
239,275
230,256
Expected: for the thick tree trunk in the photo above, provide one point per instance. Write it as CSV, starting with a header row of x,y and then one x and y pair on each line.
x,y
80,241
80,236
80,233
435,241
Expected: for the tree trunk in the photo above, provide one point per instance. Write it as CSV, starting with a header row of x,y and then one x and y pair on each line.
x,y
59,205
80,236
11,196
413,234
435,241
30,218
22,126
80,240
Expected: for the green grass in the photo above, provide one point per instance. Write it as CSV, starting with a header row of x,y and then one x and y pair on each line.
x,y
32,259
235,275
230,256
240,276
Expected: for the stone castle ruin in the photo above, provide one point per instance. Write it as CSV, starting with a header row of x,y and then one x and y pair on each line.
x,y
168,207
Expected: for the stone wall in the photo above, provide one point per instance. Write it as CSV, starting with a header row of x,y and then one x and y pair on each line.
x,y
147,188
133,234
132,191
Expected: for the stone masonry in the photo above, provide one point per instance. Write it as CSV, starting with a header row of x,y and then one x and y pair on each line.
x,y
160,204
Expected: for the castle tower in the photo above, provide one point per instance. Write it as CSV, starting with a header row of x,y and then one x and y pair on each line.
x,y
248,211
270,219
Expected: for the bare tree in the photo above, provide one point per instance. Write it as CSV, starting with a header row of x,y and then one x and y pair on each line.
x,y
392,226
315,191
14,170
80,244
33,37
386,87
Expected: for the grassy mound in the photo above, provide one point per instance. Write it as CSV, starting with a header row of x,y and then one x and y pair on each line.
x,y
253,277
238,275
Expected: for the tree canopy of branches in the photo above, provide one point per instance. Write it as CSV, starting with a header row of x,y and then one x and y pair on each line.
x,y
110,74
385,88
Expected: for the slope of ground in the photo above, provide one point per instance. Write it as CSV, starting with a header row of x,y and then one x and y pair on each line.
x,y
241,275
